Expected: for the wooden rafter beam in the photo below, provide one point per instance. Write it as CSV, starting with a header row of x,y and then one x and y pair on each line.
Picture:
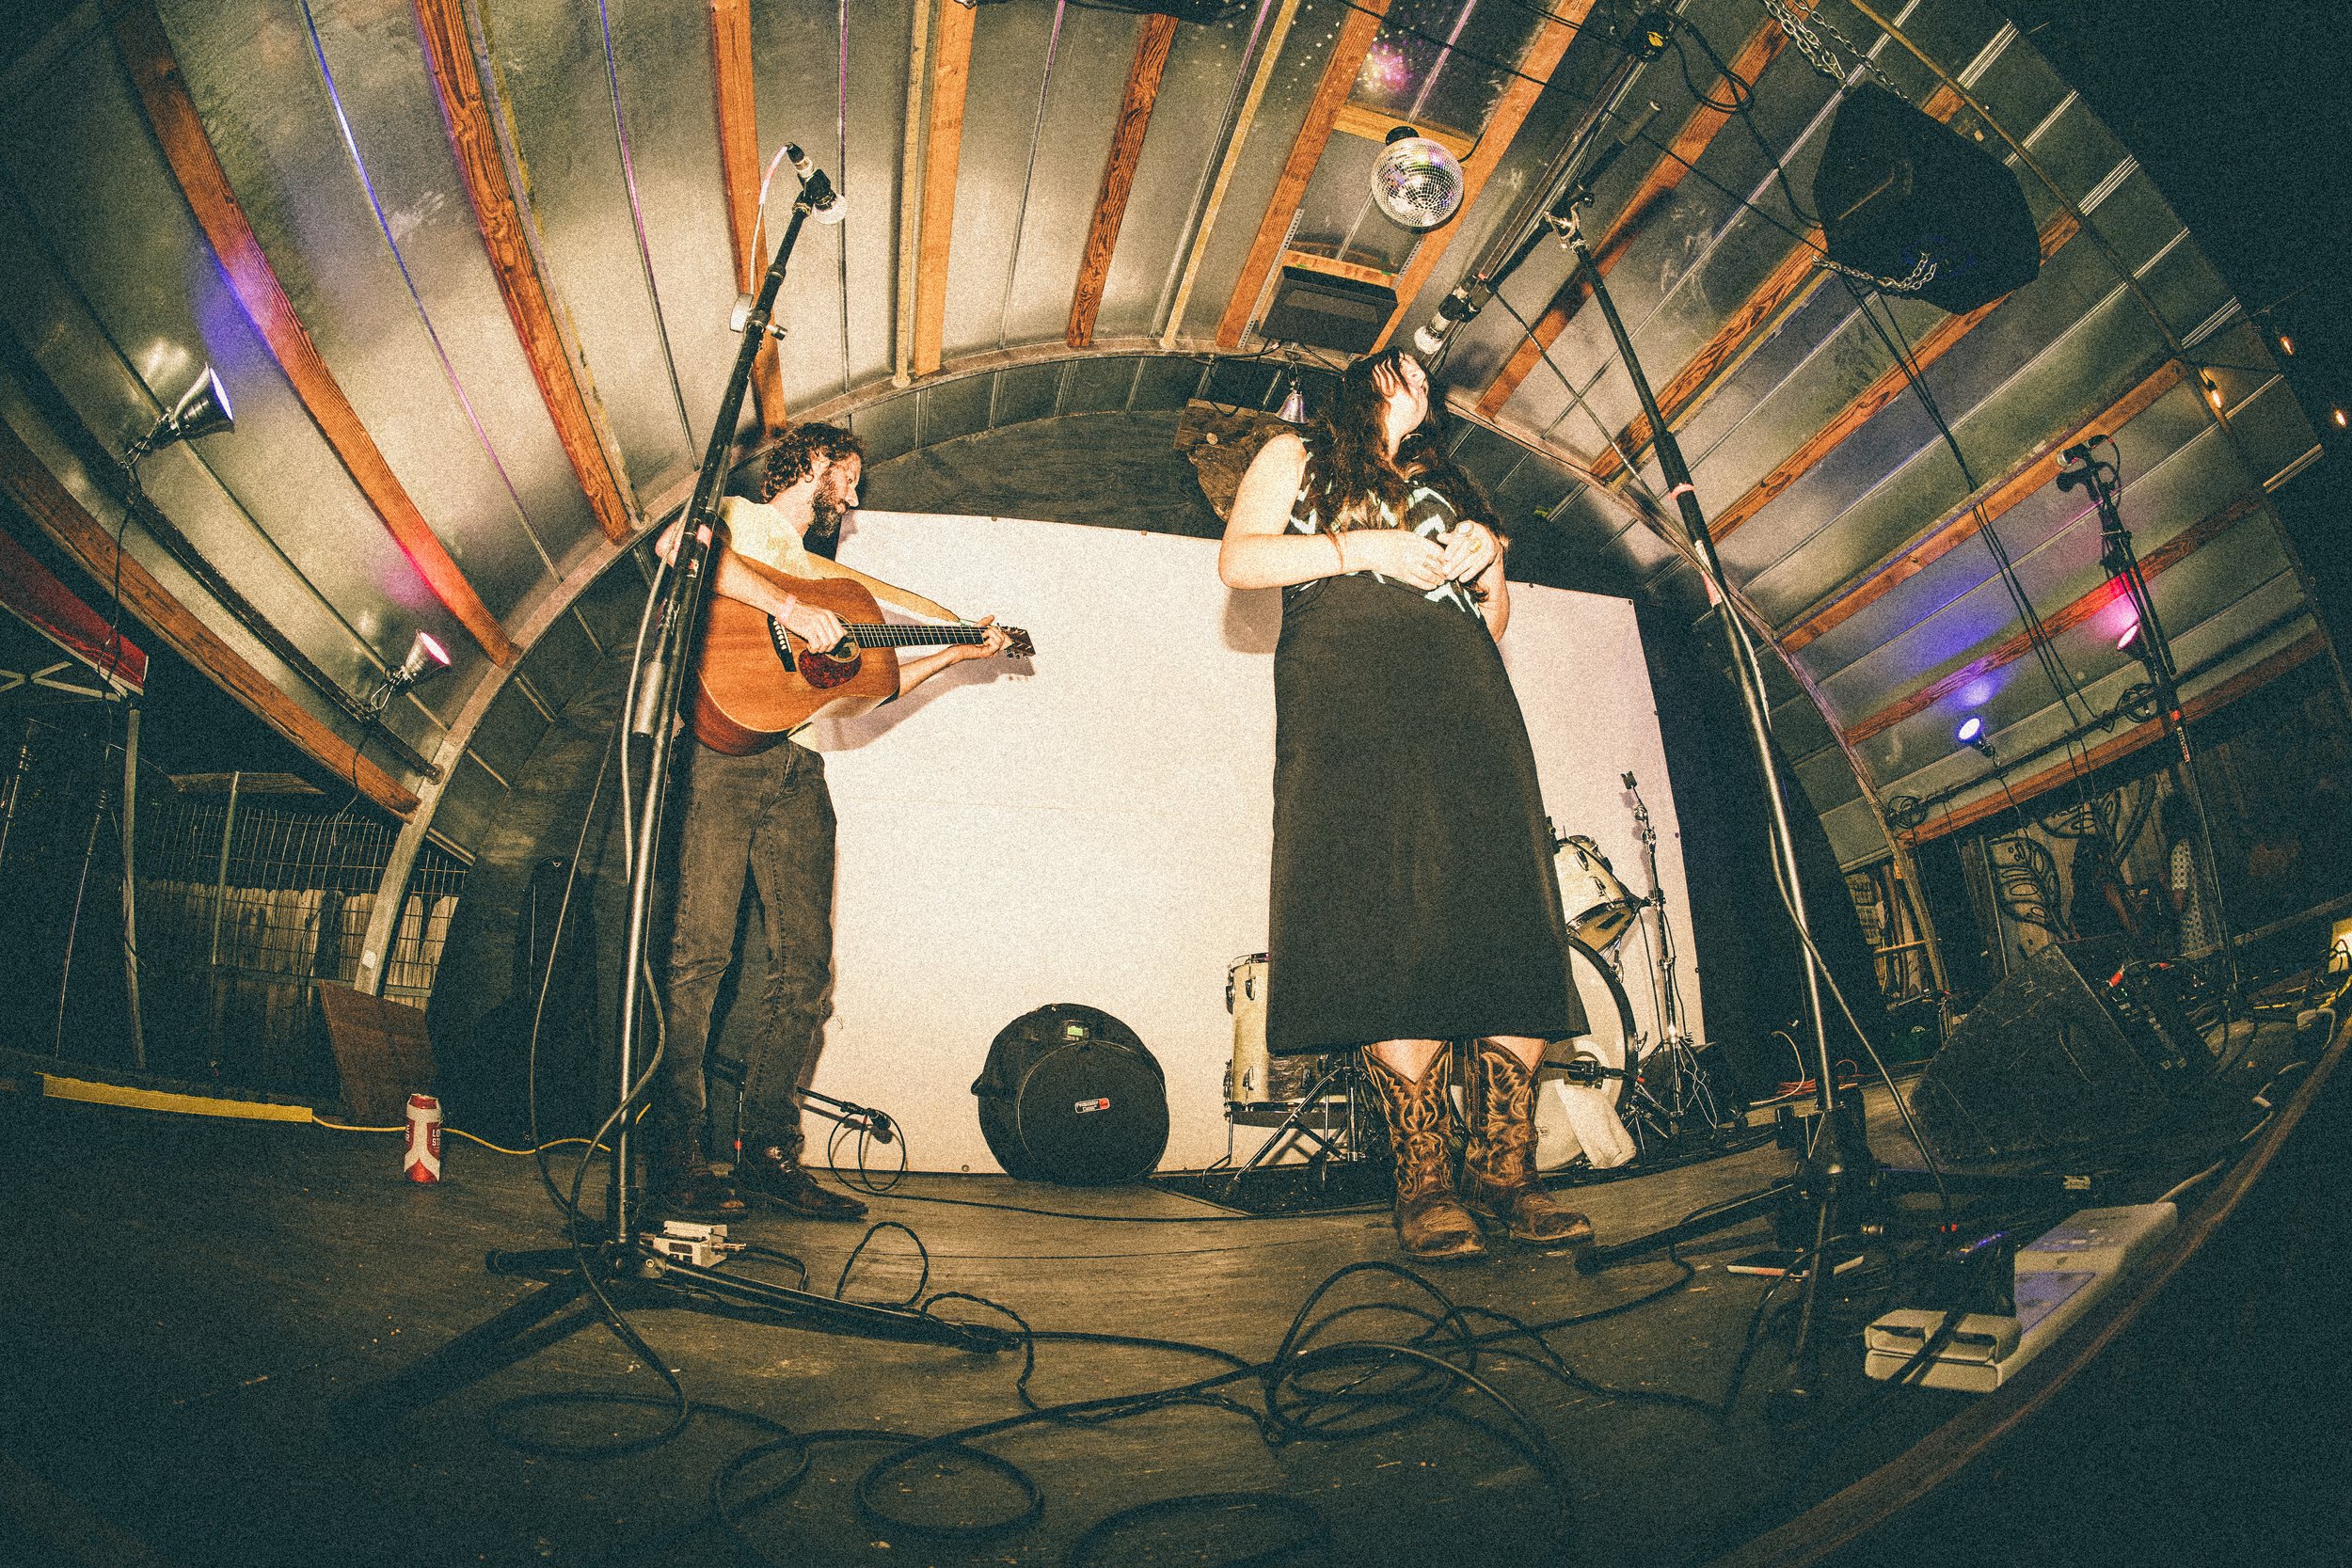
x,y
1331,266
1494,139
1956,527
1650,198
1153,43
1356,31
1363,119
1884,389
171,113
54,508
2213,699
943,150
473,137
1789,285
1269,53
739,170
2082,608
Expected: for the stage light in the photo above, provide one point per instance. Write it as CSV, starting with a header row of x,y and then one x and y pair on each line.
x,y
426,657
1415,181
2131,635
2213,391
2286,345
1971,734
202,410
1293,404
2338,414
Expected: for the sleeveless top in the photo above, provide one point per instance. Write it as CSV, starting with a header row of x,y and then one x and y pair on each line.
x,y
1428,512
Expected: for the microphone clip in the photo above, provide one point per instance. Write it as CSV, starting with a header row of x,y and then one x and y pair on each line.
x,y
817,198
817,195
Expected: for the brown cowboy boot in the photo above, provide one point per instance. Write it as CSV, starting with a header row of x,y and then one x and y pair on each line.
x,y
679,1182
1431,1223
773,1170
1499,1182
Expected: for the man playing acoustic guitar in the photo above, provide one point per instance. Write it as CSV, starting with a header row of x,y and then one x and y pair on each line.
x,y
767,818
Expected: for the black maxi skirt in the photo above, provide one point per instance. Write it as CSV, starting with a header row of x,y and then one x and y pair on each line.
x,y
1413,893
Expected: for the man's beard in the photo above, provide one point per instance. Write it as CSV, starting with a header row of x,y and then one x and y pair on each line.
x,y
824,523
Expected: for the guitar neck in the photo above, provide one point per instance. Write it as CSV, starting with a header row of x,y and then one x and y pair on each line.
x,y
890,634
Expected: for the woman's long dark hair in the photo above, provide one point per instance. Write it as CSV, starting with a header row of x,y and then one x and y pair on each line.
x,y
1355,484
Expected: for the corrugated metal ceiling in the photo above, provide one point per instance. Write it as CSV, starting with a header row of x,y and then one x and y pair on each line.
x,y
976,145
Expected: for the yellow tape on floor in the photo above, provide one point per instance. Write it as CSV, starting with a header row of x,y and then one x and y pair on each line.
x,y
158,1100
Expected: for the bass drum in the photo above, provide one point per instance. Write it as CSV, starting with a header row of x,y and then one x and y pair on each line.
x,y
1572,1119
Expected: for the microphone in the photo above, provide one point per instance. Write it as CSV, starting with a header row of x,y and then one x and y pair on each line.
x,y
824,203
1629,780
1468,298
1470,295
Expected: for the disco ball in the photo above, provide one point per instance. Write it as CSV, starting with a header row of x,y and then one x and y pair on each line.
x,y
1416,182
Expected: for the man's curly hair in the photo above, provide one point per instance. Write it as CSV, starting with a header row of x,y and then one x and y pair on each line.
x,y
794,458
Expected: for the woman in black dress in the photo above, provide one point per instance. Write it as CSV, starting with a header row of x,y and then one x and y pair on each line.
x,y
1413,898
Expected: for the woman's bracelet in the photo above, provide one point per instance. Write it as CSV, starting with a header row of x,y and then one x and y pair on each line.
x,y
783,610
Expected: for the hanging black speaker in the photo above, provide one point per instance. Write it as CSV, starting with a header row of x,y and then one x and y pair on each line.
x,y
1895,189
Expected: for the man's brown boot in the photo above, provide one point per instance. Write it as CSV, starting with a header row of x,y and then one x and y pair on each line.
x,y
1499,1182
773,1170
1432,1226
679,1182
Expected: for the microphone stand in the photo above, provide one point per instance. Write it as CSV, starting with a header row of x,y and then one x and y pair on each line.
x,y
2154,652
1839,1191
623,1264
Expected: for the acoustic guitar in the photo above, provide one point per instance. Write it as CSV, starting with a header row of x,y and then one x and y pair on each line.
x,y
756,682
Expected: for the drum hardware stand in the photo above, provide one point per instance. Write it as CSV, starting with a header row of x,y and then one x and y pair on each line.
x,y
621,1261
1341,1081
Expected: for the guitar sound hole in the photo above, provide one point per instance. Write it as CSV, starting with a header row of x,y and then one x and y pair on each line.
x,y
820,671
824,671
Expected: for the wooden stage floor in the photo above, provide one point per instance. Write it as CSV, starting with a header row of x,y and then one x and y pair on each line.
x,y
191,1301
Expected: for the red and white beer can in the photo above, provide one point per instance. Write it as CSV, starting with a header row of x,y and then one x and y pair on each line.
x,y
420,1151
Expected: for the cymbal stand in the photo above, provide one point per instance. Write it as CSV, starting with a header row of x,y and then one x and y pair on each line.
x,y
1673,1089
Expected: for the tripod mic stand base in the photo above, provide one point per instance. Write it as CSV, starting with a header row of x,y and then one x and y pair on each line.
x,y
632,1273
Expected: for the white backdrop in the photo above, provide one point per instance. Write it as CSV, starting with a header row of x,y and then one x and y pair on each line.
x,y
1096,827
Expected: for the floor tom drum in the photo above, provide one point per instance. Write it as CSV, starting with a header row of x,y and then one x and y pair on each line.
x,y
1599,910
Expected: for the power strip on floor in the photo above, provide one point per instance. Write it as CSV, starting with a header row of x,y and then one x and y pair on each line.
x,y
2059,1274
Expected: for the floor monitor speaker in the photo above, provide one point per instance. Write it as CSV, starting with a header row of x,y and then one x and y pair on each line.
x,y
1895,189
2050,1059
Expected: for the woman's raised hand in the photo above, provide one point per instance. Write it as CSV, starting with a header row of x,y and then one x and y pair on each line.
x,y
1395,554
1470,549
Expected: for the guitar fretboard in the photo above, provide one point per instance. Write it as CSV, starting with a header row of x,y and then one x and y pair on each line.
x,y
889,634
